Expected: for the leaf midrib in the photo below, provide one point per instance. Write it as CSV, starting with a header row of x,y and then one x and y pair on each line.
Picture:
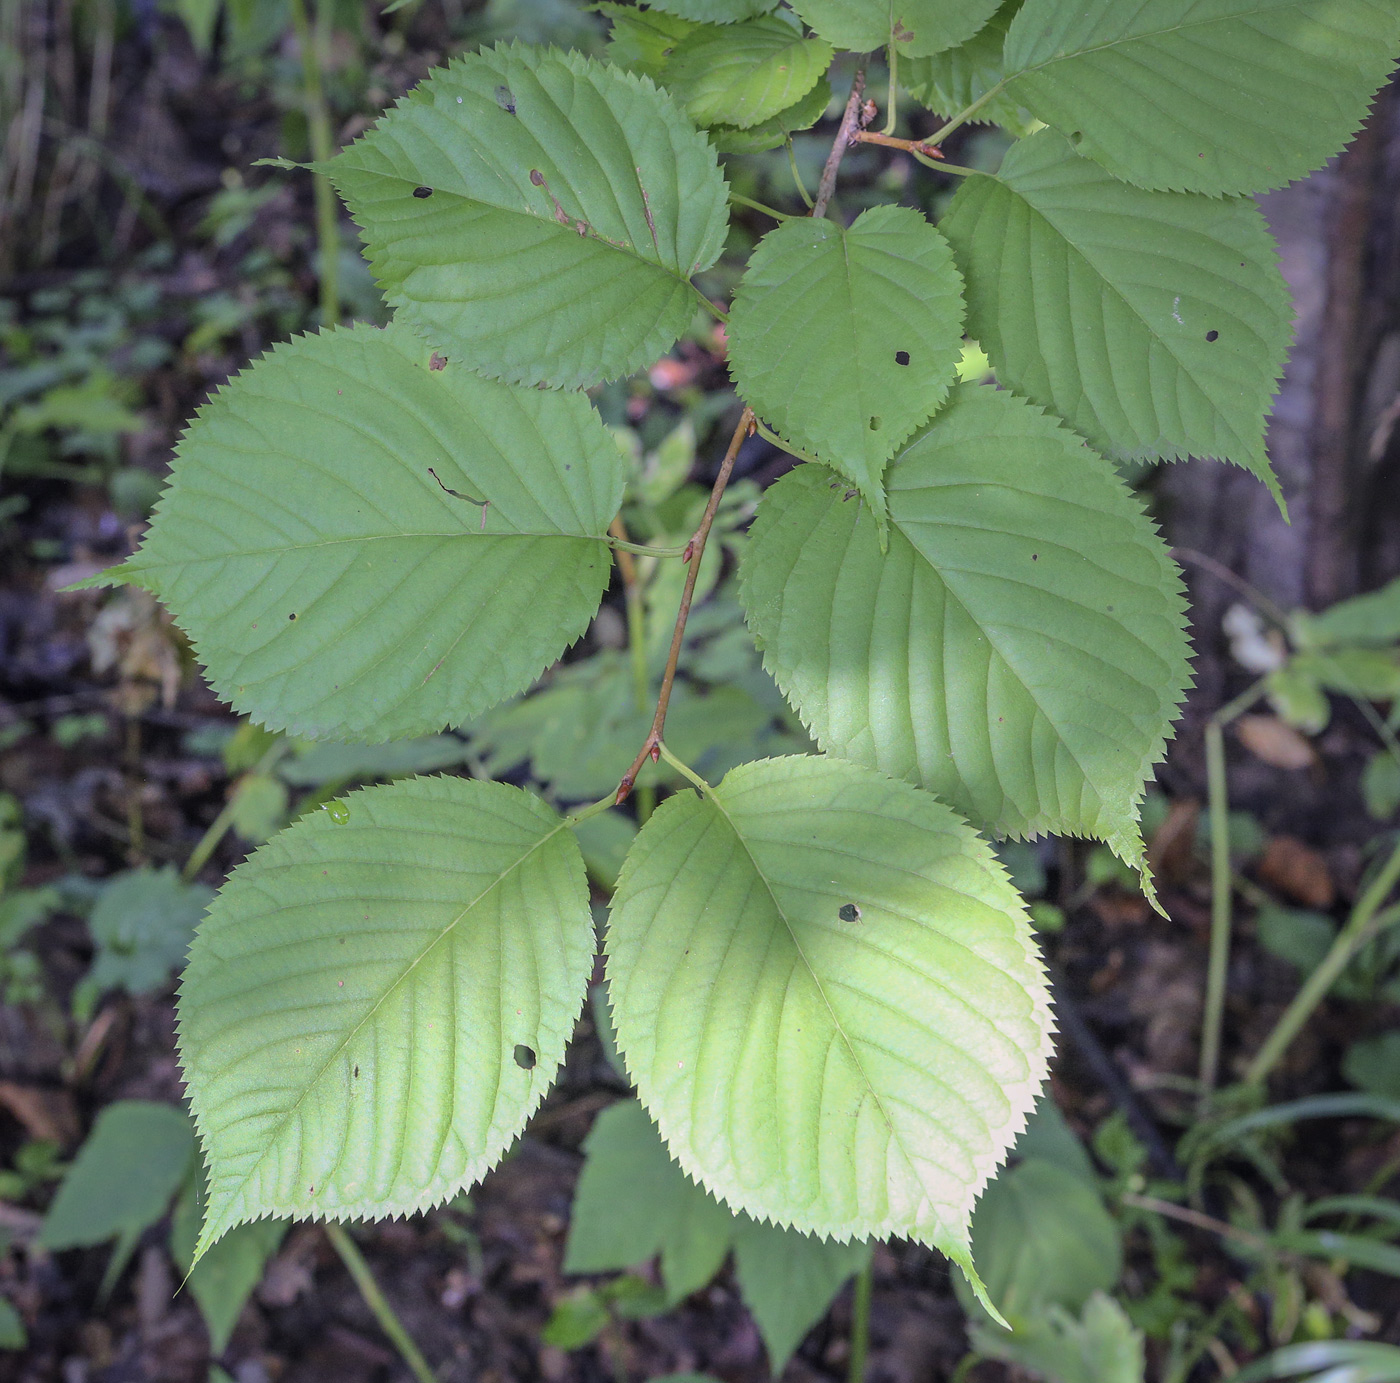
x,y
807,965
399,980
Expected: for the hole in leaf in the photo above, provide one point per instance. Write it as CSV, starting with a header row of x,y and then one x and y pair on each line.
x,y
849,913
875,423
901,357
292,616
1212,336
422,191
525,1057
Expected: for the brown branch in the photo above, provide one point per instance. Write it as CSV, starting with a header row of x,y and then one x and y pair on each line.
x,y
850,122
695,552
911,146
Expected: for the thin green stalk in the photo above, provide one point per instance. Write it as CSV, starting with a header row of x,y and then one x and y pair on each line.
x,y
759,206
389,1323
892,101
860,1323
683,768
223,823
1221,891
797,173
963,116
314,47
782,444
1365,921
640,549
587,813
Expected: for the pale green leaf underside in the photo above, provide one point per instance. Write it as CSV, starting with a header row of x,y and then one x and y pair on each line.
x,y
770,133
1156,323
821,322
920,27
950,81
331,586
582,276
743,74
1019,650
828,995
1214,96
350,1014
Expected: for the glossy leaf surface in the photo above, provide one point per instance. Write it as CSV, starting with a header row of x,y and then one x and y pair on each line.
x,y
1019,650
538,215
330,583
1155,323
828,995
357,1002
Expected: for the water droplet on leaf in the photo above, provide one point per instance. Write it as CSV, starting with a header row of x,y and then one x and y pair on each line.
x,y
338,812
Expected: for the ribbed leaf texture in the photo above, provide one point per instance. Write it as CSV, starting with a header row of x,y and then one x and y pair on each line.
x,y
919,27
331,585
374,1007
743,74
770,133
846,340
1020,649
1156,323
950,81
1215,96
715,11
641,40
538,215
828,995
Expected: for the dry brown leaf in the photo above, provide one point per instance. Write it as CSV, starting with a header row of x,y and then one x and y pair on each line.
x,y
1298,872
1277,744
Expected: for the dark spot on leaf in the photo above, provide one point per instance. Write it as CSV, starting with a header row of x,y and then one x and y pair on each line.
x,y
1212,336
901,357
291,616
875,423
505,99
422,191
666,52
849,913
357,1073
537,177
1035,557
525,1057
1076,138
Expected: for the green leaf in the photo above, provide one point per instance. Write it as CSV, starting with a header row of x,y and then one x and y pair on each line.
x,y
1374,1064
331,585
829,998
642,40
315,764
771,133
1371,620
1101,1346
715,11
134,1160
919,27
356,1001
12,1332
1331,1361
1048,1138
141,926
633,1202
1380,785
259,807
1019,650
577,1320
744,74
950,81
1155,323
788,1282
846,340
1042,1237
223,1280
1215,96
567,205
